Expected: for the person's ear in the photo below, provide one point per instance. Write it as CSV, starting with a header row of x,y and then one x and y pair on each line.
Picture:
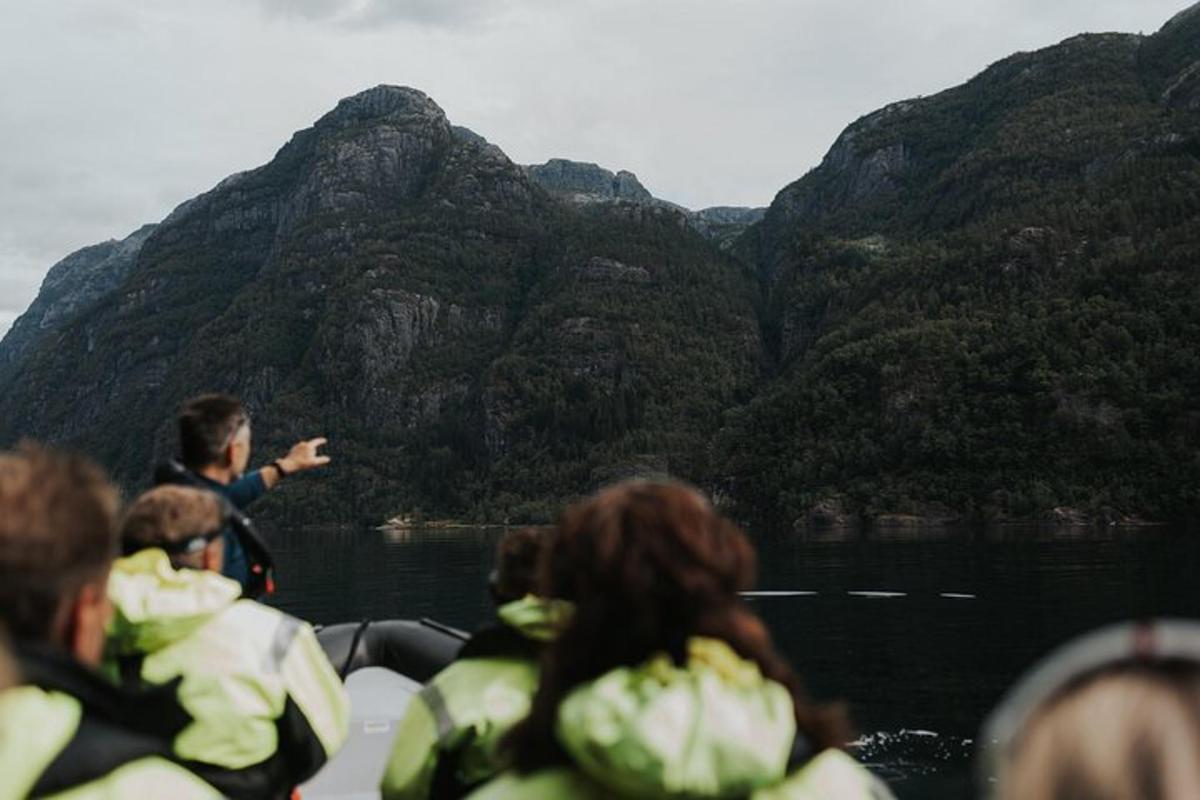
x,y
213,557
87,623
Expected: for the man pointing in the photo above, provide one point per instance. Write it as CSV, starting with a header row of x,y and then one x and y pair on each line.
x,y
214,442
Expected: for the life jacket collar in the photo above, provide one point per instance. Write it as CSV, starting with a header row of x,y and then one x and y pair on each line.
x,y
156,604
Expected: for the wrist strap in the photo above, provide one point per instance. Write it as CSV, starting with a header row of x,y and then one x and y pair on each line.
x,y
283,473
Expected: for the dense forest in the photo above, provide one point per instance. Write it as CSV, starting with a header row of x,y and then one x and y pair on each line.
x,y
986,303
981,305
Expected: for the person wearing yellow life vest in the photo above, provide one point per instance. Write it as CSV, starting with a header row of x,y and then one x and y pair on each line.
x,y
664,684
267,708
448,741
65,731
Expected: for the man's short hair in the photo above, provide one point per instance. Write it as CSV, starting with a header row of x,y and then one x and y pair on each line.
x,y
207,424
58,532
169,515
517,557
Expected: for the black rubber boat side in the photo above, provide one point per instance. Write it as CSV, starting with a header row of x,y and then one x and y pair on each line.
x,y
418,649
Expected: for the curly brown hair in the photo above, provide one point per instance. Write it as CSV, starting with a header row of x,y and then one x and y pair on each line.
x,y
649,565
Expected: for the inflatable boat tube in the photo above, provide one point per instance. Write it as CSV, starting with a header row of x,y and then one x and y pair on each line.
x,y
384,663
417,649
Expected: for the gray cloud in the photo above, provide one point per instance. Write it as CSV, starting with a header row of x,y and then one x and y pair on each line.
x,y
115,112
368,14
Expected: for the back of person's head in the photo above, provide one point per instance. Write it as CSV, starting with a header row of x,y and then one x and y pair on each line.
x,y
1126,734
58,538
207,426
184,521
1114,714
648,566
517,555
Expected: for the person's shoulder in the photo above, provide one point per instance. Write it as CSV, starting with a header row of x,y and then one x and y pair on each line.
x,y
469,681
260,632
263,619
553,783
68,754
35,725
152,776
831,773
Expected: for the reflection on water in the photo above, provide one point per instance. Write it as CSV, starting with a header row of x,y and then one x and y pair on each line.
x,y
921,630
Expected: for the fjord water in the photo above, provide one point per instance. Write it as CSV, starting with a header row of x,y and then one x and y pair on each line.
x,y
921,630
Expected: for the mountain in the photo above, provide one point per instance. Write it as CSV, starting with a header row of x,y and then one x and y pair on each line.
x,y
470,345
579,182
71,286
583,182
984,302
981,304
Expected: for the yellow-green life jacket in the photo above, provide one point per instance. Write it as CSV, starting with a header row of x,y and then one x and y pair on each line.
x,y
36,729
449,737
267,708
713,728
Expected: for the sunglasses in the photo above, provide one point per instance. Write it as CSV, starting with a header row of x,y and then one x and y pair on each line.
x,y
188,546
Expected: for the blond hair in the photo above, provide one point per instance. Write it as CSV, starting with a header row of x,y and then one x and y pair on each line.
x,y
1128,733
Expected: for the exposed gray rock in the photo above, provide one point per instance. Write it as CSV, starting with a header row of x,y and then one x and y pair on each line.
x,y
479,174
730,215
1183,92
850,175
70,287
1191,13
467,135
371,357
583,182
723,224
608,270
380,143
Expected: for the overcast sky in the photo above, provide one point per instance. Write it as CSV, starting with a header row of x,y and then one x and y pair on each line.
x,y
112,112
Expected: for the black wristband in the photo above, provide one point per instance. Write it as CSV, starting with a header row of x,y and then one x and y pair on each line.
x,y
283,473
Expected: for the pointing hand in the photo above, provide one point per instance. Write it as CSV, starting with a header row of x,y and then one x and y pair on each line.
x,y
304,455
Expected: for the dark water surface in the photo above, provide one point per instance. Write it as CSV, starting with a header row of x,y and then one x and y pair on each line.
x,y
920,631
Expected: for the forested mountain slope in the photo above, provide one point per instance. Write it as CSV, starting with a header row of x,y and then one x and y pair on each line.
x,y
988,301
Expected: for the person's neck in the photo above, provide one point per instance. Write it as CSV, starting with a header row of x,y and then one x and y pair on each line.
x,y
215,472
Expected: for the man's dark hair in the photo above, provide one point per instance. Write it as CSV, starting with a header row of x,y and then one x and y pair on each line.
x,y
58,532
517,557
207,424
